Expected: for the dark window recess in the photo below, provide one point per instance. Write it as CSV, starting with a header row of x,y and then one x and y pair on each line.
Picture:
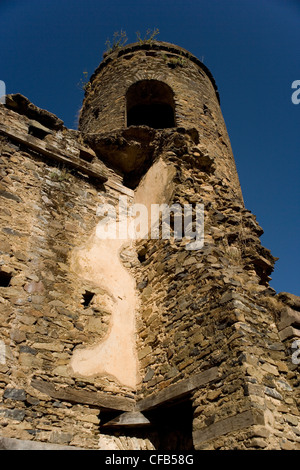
x,y
96,113
87,298
151,54
142,255
37,132
206,110
87,156
5,279
157,116
150,103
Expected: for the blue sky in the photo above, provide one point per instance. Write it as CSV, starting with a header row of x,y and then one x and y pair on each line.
x,y
252,48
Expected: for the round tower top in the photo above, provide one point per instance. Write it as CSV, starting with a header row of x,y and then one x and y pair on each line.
x,y
167,47
155,83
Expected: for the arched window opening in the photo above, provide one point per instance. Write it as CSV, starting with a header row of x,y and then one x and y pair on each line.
x,y
150,103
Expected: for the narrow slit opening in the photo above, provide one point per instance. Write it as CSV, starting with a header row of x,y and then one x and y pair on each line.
x,y
87,298
142,255
5,279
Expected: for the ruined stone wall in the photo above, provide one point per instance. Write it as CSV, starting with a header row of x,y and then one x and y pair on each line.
x,y
100,334
255,404
48,213
212,310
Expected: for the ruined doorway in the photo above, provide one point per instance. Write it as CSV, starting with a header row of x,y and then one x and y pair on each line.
x,y
173,425
170,427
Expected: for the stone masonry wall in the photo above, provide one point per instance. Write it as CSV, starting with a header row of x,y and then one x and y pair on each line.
x,y
92,329
47,210
213,308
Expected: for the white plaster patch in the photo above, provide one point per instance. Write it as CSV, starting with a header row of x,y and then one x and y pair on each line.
x,y
99,261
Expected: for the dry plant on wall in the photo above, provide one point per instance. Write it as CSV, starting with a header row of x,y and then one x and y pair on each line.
x,y
149,36
84,82
119,40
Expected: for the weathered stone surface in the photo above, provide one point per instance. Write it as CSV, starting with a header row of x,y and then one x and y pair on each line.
x,y
15,415
22,105
177,391
289,317
50,152
291,300
7,443
228,425
15,394
289,332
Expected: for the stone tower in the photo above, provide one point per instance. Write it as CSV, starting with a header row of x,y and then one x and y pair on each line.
x,y
121,342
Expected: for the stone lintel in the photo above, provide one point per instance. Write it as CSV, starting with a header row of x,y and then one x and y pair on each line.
x,y
98,399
